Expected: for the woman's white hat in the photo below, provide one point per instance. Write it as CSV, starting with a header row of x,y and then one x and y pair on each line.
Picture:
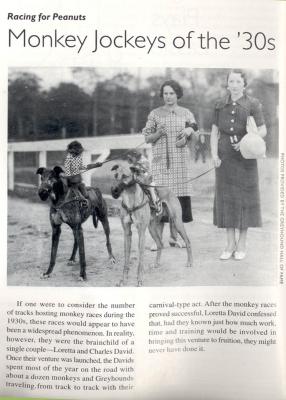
x,y
252,146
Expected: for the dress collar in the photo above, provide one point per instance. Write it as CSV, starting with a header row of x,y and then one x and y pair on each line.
x,y
173,110
242,101
178,110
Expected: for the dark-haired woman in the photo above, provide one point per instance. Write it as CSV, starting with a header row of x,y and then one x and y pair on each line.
x,y
237,202
170,157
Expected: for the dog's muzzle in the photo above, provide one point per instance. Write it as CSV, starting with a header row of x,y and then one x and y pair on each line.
x,y
116,190
43,194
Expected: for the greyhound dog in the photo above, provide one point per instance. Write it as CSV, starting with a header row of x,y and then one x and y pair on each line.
x,y
135,209
69,207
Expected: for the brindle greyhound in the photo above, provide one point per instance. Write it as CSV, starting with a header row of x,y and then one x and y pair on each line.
x,y
67,206
135,209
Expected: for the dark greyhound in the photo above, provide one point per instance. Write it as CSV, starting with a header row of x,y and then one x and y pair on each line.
x,y
135,209
68,206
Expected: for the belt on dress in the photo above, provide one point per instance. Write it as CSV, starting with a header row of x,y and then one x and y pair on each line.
x,y
238,135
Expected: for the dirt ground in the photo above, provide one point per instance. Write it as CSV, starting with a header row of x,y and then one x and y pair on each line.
x,y
29,241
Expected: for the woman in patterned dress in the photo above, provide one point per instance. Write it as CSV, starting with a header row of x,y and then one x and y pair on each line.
x,y
170,162
237,202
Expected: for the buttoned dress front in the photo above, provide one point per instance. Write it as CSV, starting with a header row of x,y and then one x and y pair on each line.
x,y
170,164
237,199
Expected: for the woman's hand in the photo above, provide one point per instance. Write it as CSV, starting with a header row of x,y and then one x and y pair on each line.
x,y
236,146
186,132
216,161
161,129
153,137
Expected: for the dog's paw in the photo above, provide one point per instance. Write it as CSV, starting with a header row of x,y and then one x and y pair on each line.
x,y
45,276
120,283
154,265
71,262
179,244
139,283
112,261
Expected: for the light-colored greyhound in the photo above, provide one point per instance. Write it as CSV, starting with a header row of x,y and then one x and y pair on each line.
x,y
135,209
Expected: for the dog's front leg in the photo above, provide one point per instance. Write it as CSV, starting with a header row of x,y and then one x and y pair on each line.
x,y
156,230
127,249
55,242
181,229
106,228
141,250
80,240
74,250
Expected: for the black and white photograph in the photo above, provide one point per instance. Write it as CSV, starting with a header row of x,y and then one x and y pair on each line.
x,y
143,245
152,177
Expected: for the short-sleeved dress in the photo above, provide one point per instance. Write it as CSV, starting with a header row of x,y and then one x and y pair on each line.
x,y
237,200
170,164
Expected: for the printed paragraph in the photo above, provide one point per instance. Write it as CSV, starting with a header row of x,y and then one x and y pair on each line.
x,y
70,346
195,326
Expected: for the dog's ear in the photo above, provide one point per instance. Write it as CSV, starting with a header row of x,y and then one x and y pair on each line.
x,y
40,170
115,167
58,170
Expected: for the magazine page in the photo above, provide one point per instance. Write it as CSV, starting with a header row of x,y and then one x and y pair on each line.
x,y
143,208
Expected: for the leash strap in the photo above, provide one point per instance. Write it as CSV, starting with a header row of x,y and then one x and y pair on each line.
x,y
189,180
198,176
122,154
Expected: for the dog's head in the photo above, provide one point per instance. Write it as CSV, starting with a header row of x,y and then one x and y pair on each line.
x,y
51,185
123,178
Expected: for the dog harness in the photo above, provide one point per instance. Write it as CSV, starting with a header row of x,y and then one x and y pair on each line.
x,y
135,208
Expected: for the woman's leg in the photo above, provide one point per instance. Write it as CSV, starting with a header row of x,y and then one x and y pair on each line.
x,y
230,234
230,244
241,244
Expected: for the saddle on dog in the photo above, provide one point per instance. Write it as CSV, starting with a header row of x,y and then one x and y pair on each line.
x,y
73,202
144,179
74,194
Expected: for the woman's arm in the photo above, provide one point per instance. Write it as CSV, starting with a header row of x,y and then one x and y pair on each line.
x,y
191,127
257,114
153,137
214,146
152,131
262,131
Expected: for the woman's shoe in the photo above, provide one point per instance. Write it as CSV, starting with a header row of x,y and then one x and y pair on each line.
x,y
226,255
239,255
